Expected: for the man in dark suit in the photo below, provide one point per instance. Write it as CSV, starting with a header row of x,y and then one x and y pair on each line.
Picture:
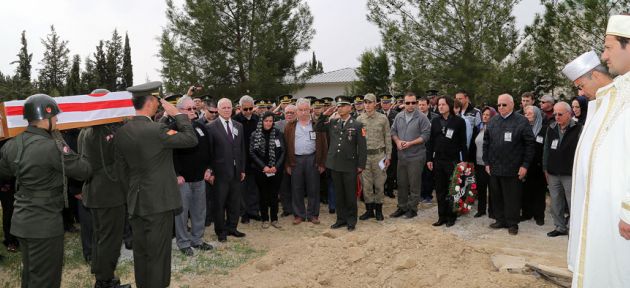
x,y
227,151
144,151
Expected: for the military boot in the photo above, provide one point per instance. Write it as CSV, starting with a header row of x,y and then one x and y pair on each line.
x,y
379,211
369,212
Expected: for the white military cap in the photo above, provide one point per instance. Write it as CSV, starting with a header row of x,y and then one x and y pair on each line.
x,y
581,65
619,25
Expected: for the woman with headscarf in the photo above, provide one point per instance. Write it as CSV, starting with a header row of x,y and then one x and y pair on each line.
x,y
476,154
579,105
534,188
267,154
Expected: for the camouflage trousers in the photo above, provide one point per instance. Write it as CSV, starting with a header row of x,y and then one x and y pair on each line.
x,y
373,180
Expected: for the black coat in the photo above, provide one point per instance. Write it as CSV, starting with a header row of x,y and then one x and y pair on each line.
x,y
508,144
447,145
226,157
260,160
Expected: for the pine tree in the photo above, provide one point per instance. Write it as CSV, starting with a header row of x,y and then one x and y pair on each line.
x,y
73,84
23,70
88,77
127,67
314,67
114,60
100,66
373,73
54,69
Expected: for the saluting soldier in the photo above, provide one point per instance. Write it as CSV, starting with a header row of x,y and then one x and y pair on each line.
x,y
283,101
359,107
105,196
40,162
145,152
346,158
379,149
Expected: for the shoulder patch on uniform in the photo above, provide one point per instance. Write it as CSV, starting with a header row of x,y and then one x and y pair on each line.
x,y
363,131
171,132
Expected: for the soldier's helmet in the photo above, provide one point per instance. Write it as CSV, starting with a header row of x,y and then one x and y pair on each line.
x,y
40,106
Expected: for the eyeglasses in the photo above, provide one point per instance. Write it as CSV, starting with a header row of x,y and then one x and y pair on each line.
x,y
289,112
558,114
188,109
247,109
580,86
411,103
213,112
502,105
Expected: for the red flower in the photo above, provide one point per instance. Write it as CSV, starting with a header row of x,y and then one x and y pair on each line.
x,y
473,186
470,199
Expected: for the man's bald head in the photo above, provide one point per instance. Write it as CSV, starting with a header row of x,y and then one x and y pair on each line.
x,y
505,103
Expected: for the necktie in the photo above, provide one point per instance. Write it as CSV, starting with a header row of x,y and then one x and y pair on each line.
x,y
229,131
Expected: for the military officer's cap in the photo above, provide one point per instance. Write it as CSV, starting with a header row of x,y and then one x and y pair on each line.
x,y
343,100
328,101
173,98
99,92
317,103
285,99
386,98
400,98
358,99
293,101
370,97
263,103
147,89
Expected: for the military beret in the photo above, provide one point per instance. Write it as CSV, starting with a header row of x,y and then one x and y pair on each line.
x,y
343,100
358,99
285,99
147,89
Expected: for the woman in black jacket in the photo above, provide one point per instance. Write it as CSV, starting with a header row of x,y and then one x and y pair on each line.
x,y
267,150
446,148
535,186
475,154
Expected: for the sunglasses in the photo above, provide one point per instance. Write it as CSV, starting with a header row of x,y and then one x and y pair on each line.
x,y
188,109
213,112
502,105
289,112
247,109
411,103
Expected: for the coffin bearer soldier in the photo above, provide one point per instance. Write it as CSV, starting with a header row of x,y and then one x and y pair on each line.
x,y
40,160
379,149
144,151
105,196
346,158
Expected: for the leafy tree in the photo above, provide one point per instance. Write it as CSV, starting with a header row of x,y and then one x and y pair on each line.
x,y
446,44
234,47
127,67
54,69
373,73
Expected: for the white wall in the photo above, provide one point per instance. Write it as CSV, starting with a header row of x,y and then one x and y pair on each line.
x,y
321,90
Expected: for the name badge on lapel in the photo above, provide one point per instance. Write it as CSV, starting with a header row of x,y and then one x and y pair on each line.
x,y
277,143
507,137
540,139
235,132
199,132
449,133
313,135
554,144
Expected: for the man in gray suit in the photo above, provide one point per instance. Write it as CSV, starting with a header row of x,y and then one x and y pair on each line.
x,y
227,154
145,154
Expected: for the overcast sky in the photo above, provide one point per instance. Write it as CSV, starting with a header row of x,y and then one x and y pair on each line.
x,y
342,30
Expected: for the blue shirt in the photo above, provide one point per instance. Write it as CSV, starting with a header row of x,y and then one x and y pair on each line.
x,y
304,139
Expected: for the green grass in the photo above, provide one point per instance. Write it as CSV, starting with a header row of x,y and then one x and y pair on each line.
x,y
76,273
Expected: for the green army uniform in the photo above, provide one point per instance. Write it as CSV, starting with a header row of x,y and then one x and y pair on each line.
x,y
40,163
144,151
358,101
105,196
347,152
284,99
379,147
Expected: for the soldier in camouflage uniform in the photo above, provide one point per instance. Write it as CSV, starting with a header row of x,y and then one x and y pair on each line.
x,y
379,148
